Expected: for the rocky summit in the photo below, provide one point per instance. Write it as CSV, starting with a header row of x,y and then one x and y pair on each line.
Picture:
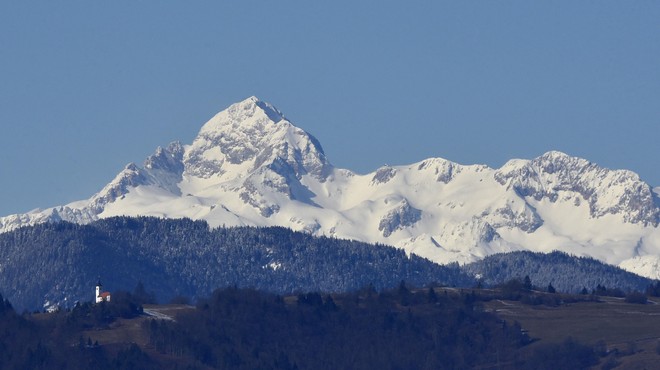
x,y
250,166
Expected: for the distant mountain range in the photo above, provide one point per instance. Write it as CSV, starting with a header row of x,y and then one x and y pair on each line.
x,y
250,166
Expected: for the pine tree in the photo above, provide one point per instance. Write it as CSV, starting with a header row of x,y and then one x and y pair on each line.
x,y
432,297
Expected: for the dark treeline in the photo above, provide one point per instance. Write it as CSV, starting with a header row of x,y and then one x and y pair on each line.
x,y
246,329
59,263
56,340
397,329
566,273
54,262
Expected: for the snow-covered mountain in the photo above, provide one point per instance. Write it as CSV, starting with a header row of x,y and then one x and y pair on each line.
x,y
250,166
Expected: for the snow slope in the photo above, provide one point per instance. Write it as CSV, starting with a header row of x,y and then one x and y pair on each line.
x,y
250,166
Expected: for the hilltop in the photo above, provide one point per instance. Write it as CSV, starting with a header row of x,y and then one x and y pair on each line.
x,y
403,327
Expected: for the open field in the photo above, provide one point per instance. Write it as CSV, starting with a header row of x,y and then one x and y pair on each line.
x,y
130,330
630,333
622,327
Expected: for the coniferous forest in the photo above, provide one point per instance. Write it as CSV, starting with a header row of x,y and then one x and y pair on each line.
x,y
564,272
271,298
58,264
233,328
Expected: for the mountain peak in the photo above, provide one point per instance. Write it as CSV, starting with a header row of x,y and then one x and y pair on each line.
x,y
249,113
252,134
255,103
606,191
555,154
249,165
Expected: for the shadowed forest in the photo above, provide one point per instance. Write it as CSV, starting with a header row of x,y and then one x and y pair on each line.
x,y
233,328
57,264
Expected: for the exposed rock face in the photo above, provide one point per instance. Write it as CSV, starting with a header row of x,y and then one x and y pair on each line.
x,y
132,176
250,166
606,191
253,134
383,175
525,219
443,170
168,160
398,218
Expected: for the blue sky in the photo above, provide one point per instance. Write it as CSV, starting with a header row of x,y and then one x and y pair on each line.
x,y
87,87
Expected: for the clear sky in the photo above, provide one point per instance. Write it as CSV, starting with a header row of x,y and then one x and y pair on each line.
x,y
89,86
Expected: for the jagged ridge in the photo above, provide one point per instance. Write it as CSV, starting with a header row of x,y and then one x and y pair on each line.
x,y
249,165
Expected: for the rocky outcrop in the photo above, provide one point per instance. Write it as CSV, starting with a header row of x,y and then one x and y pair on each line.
x,y
606,191
402,216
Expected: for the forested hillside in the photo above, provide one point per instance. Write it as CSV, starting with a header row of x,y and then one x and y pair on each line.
x,y
247,329
59,263
395,329
566,273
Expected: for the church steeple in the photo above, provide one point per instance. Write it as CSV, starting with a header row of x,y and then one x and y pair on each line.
x,y
97,297
101,296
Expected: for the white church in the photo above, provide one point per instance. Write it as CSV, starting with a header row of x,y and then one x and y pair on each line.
x,y
101,296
